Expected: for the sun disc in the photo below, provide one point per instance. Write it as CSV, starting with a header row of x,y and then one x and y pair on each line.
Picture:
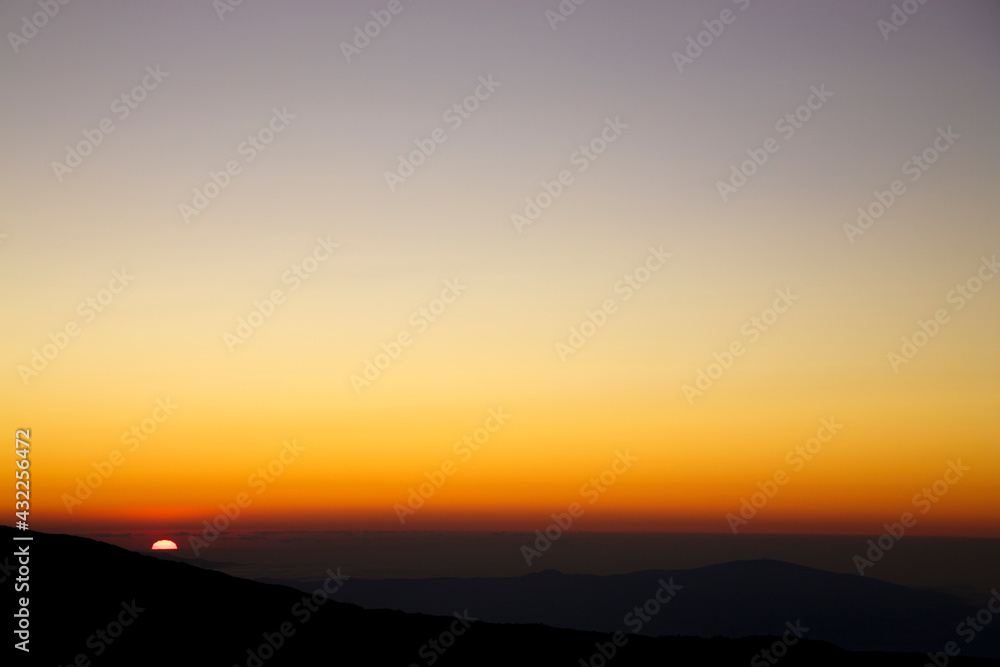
x,y
160,545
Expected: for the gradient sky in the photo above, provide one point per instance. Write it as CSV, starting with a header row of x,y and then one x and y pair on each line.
x,y
323,176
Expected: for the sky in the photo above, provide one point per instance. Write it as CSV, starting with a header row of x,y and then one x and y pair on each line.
x,y
633,263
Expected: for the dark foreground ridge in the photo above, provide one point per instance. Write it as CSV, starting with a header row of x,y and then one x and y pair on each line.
x,y
92,603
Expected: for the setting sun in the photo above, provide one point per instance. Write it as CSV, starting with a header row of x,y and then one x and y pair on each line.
x,y
161,545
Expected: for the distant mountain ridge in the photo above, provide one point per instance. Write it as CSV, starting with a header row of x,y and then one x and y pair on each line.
x,y
737,599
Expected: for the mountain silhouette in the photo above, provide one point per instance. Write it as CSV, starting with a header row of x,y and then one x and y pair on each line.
x,y
92,603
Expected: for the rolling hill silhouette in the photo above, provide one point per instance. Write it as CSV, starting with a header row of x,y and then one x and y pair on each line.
x,y
92,603
736,599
